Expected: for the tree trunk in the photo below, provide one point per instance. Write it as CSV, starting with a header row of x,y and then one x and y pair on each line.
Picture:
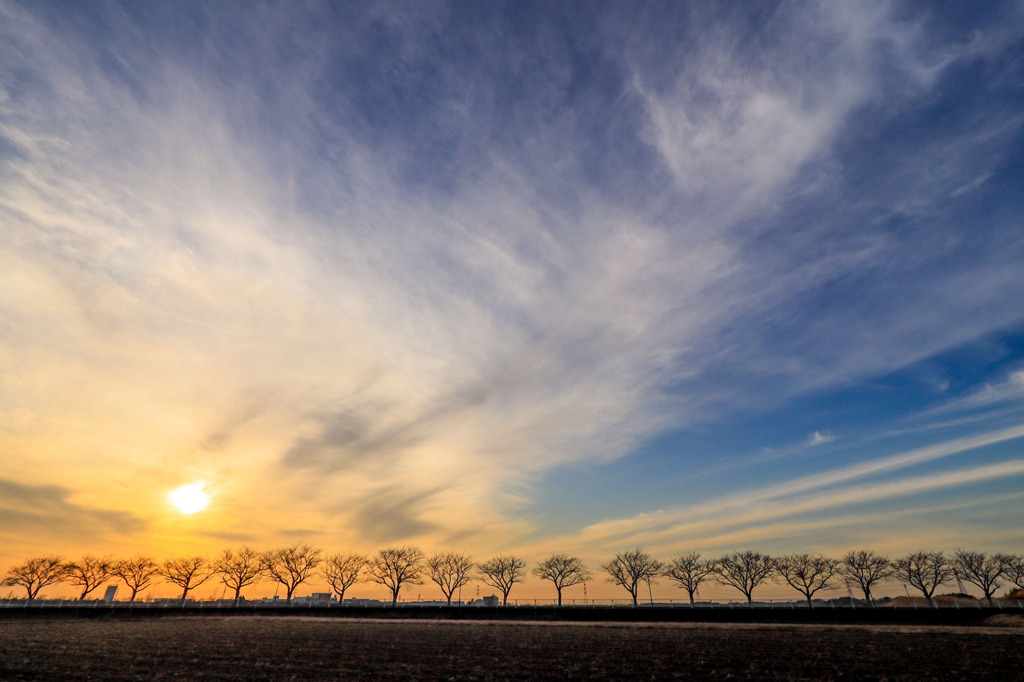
x,y
691,596
504,600
634,599
559,596
750,599
810,604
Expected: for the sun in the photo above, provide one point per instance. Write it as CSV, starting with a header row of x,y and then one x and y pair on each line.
x,y
189,499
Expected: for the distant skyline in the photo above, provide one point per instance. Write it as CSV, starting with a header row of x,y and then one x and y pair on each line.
x,y
528,277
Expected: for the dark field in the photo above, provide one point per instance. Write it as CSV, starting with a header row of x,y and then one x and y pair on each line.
x,y
305,648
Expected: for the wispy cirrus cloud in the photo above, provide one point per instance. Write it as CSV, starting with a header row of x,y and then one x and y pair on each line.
x,y
49,512
1009,390
826,490
388,281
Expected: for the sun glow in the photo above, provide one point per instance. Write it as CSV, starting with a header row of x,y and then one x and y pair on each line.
x,y
189,499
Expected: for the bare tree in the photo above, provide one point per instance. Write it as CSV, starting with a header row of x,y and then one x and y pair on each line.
x,y
291,566
689,570
562,570
745,571
924,571
502,572
187,573
239,569
89,572
1013,569
807,573
36,573
864,568
137,573
450,571
342,572
980,570
397,566
631,568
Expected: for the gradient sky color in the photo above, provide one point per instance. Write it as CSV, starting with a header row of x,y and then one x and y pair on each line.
x,y
512,276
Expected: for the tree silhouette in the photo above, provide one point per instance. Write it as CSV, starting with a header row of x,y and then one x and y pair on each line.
x,y
397,566
864,568
924,571
689,570
502,572
980,570
342,572
187,573
1013,568
137,573
563,571
89,572
291,566
806,573
745,571
36,573
450,571
239,569
629,569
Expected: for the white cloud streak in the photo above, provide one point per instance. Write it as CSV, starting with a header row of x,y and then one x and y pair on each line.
x,y
815,492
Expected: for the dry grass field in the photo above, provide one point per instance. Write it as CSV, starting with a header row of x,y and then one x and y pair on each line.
x,y
305,648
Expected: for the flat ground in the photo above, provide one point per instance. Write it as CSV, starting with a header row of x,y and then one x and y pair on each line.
x,y
264,648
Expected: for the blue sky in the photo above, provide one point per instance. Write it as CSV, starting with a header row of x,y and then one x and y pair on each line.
x,y
513,276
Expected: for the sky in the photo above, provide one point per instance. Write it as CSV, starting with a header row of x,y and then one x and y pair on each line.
x,y
531,277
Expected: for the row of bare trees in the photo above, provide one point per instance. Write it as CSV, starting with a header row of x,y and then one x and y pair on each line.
x,y
811,573
398,567
289,567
